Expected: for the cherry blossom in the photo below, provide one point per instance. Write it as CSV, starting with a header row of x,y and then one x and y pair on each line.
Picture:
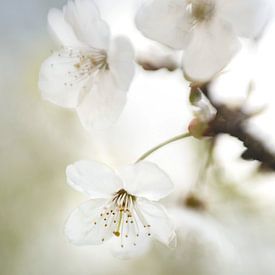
x,y
122,209
207,30
91,72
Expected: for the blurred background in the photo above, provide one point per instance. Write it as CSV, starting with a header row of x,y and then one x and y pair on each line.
x,y
231,230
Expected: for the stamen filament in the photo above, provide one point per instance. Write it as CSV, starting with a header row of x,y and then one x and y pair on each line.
x,y
117,232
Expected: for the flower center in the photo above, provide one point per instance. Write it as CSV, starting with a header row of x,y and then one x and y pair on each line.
x,y
122,218
82,64
122,199
92,60
123,202
201,10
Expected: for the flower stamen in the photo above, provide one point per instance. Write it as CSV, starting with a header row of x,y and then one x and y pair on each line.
x,y
85,63
123,216
201,10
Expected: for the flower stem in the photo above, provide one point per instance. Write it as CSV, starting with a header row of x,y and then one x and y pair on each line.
x,y
176,138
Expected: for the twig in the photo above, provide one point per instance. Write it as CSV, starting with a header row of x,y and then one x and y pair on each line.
x,y
232,121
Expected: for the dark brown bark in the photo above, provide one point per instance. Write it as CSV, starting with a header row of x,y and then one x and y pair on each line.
x,y
232,121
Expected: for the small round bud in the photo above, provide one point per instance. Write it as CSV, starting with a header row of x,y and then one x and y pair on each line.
x,y
197,128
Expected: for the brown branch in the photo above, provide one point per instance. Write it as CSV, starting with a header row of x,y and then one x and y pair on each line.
x,y
149,62
232,121
148,65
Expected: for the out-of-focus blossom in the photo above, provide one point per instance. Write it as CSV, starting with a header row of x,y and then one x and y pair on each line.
x,y
122,207
207,30
91,72
203,112
201,106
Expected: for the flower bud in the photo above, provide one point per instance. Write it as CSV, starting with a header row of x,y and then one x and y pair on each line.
x,y
197,128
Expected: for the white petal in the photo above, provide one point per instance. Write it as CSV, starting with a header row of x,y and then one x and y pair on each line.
x,y
94,178
85,19
57,83
85,226
146,179
161,226
103,104
121,61
165,21
248,17
210,50
61,29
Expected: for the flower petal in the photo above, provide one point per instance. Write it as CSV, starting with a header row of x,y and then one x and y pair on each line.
x,y
210,50
146,179
94,178
248,17
84,17
85,225
161,226
61,30
102,106
166,21
121,61
57,81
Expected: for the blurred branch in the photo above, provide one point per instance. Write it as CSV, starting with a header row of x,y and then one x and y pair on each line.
x,y
232,121
155,64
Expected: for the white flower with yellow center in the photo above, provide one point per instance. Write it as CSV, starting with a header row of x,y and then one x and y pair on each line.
x,y
122,207
207,30
91,72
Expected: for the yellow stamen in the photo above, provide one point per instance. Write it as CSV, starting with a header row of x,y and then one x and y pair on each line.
x,y
117,232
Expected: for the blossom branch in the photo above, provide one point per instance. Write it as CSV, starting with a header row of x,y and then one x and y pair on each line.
x,y
166,62
232,121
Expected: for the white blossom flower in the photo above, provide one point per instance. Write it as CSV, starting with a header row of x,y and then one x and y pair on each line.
x,y
91,72
122,207
206,29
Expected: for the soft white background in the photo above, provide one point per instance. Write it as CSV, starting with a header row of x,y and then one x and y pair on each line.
x,y
38,140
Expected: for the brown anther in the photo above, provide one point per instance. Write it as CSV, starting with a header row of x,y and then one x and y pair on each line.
x,y
116,233
194,202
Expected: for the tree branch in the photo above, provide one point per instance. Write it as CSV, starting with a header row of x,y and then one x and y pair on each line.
x,y
232,121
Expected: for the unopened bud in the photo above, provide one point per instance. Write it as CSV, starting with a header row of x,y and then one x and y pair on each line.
x,y
197,128
195,96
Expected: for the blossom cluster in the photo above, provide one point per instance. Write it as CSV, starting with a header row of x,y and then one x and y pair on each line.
x,y
91,73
